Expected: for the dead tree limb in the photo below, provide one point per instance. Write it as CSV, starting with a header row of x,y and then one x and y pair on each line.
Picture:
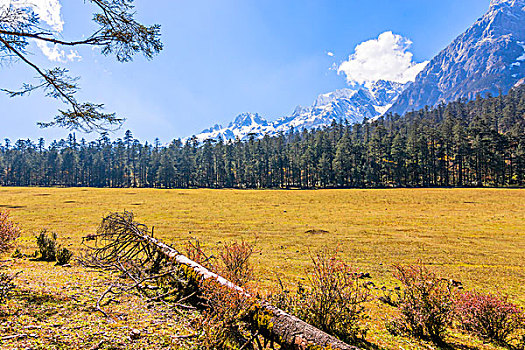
x,y
119,239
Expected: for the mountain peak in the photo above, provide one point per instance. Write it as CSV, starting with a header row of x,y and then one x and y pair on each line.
x,y
352,105
212,129
385,90
247,120
496,3
329,97
487,58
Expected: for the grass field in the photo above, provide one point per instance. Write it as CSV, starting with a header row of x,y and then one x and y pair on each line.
x,y
476,236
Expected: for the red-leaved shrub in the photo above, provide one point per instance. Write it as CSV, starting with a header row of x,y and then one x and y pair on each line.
x,y
336,297
195,252
223,324
235,262
491,317
426,303
332,300
9,231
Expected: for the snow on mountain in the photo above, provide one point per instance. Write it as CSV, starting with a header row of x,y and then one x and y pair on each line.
x,y
487,58
495,3
352,105
243,125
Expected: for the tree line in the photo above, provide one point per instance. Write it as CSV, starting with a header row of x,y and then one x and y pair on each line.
x,y
464,143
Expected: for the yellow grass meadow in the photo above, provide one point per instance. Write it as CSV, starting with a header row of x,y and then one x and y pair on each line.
x,y
476,236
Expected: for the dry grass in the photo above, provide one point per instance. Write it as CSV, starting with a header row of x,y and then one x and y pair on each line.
x,y
471,235
54,308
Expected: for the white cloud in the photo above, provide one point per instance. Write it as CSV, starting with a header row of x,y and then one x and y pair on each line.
x,y
47,10
52,52
55,54
386,57
73,56
330,53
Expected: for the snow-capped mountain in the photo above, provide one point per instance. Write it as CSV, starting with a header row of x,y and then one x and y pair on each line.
x,y
353,105
489,57
243,125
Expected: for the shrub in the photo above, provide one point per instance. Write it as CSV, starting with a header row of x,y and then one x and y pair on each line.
x,y
332,300
47,246
490,317
222,325
426,304
50,250
9,231
63,256
235,262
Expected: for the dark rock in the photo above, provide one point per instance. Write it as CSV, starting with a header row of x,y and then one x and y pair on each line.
x,y
134,334
317,232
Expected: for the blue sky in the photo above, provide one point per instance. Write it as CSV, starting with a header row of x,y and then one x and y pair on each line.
x,y
222,58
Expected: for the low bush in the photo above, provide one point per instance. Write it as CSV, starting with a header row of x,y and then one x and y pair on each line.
x,y
50,250
47,245
222,324
195,252
488,316
63,256
9,231
332,300
235,264
426,304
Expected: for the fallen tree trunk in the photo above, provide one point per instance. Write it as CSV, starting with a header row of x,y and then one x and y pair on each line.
x,y
269,321
285,329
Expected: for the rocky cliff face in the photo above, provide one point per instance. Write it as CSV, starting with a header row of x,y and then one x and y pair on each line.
x,y
488,58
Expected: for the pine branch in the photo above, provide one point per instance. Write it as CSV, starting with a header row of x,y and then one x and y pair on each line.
x,y
119,34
